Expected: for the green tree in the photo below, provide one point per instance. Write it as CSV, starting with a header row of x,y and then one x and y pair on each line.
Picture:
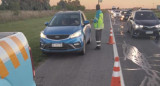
x,y
12,5
62,4
69,5
26,4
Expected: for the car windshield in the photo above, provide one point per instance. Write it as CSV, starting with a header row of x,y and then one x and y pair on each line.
x,y
128,13
113,8
124,12
65,19
145,16
117,11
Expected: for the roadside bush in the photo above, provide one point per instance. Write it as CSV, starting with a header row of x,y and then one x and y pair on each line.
x,y
9,16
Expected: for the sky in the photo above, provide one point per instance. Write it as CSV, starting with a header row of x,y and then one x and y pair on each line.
x,y
90,4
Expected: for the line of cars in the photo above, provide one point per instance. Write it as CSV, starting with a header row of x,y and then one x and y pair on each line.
x,y
140,23
123,15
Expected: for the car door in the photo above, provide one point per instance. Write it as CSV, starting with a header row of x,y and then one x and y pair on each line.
x,y
86,28
130,22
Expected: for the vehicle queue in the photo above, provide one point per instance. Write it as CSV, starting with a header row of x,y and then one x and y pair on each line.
x,y
140,22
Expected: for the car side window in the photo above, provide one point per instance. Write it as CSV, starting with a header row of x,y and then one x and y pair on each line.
x,y
82,19
133,15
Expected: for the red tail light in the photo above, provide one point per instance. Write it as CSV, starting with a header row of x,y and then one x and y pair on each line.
x,y
34,73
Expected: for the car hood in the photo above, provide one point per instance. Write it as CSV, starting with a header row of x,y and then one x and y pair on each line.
x,y
127,14
147,22
61,30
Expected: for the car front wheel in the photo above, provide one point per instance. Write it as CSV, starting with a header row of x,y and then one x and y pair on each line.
x,y
83,51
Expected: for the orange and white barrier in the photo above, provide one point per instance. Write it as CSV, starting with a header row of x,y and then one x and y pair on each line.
x,y
9,48
116,73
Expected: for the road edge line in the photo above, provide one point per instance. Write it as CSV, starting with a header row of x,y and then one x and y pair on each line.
x,y
116,53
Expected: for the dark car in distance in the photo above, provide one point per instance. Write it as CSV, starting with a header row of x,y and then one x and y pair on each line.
x,y
143,23
125,15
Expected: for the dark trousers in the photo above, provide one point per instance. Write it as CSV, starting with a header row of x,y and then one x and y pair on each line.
x,y
98,37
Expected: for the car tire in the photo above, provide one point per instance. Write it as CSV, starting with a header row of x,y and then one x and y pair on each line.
x,y
45,53
128,31
83,51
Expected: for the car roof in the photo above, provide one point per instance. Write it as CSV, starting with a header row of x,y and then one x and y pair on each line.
x,y
68,12
117,10
144,11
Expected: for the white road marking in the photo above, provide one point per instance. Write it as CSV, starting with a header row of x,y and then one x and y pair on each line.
x,y
116,54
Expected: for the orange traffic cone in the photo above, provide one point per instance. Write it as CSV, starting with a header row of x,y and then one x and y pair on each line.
x,y
111,37
116,73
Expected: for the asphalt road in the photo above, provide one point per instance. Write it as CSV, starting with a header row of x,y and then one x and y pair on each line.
x,y
139,58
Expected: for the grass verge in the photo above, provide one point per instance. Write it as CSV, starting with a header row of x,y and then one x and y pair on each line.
x,y
90,14
8,16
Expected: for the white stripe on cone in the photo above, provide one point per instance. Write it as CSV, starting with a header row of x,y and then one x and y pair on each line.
x,y
111,34
115,74
111,30
116,64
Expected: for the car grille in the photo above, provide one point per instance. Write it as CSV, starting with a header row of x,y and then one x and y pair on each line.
x,y
57,37
148,28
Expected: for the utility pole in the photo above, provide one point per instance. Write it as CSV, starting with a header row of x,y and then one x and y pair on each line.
x,y
99,1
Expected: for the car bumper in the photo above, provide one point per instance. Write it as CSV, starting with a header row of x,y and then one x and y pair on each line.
x,y
145,33
124,18
68,45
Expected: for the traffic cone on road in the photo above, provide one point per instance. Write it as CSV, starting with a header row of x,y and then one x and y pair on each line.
x,y
116,73
111,37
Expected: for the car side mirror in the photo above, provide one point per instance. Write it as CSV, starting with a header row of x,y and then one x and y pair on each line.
x,y
86,22
46,23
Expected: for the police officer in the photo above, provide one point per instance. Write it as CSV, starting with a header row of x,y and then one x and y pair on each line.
x,y
98,25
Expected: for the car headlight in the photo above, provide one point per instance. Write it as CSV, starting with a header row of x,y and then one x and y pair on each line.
x,y
42,35
76,34
157,26
138,26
